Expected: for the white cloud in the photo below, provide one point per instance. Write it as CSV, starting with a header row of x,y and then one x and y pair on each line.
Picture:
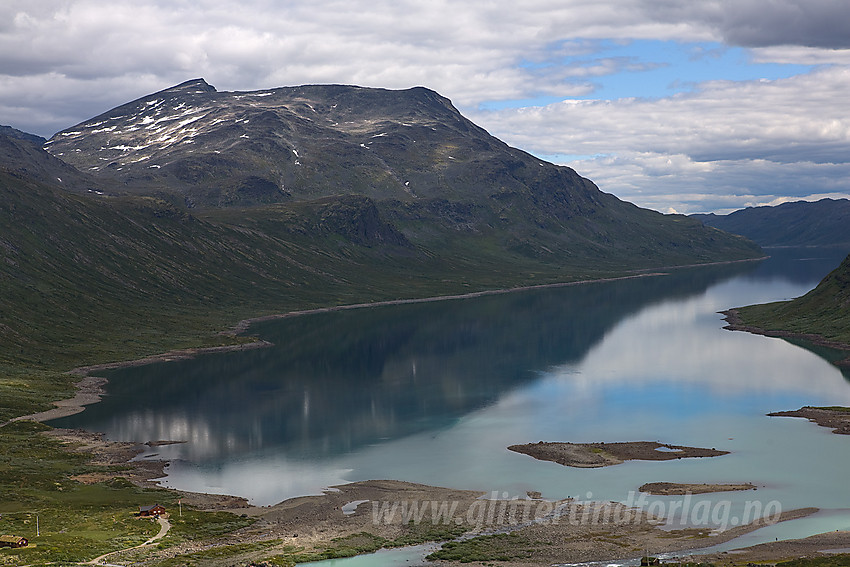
x,y
753,119
63,62
787,137
469,51
797,55
686,187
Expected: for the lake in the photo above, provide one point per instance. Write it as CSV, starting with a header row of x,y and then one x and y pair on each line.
x,y
435,392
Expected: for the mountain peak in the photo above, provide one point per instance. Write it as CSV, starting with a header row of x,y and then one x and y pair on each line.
x,y
289,143
10,132
194,86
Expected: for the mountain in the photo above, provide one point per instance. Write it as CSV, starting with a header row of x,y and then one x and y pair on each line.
x,y
9,132
132,256
824,311
22,153
440,180
802,223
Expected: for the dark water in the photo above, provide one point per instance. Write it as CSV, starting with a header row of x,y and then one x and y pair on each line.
x,y
335,382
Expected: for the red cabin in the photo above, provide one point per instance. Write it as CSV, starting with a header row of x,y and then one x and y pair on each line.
x,y
154,511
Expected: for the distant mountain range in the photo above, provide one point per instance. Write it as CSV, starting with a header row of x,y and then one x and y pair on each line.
x,y
802,223
166,218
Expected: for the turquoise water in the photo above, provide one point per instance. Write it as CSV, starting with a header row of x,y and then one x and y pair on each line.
x,y
434,393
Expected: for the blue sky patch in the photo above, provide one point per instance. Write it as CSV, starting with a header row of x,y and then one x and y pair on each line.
x,y
652,69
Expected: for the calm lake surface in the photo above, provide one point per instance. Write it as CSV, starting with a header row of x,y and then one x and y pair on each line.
x,y
434,393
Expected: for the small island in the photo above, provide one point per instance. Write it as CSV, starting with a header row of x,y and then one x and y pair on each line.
x,y
836,417
593,455
678,489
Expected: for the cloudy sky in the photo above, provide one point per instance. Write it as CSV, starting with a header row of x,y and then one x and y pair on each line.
x,y
677,105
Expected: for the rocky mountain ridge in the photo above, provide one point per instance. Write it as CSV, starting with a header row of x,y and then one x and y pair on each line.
x,y
236,148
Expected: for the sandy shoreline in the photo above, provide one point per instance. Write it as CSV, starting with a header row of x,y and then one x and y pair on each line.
x,y
819,545
567,530
549,532
90,389
243,325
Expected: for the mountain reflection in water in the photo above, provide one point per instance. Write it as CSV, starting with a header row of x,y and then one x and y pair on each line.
x,y
334,382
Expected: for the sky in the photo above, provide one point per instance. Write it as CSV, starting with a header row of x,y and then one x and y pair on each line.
x,y
677,105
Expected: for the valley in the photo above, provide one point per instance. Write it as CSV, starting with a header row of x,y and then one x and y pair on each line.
x,y
375,235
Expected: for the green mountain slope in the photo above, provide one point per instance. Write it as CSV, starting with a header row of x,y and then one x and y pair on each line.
x,y
824,311
821,223
92,278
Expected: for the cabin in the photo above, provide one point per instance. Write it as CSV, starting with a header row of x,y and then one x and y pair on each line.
x,y
152,511
13,541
